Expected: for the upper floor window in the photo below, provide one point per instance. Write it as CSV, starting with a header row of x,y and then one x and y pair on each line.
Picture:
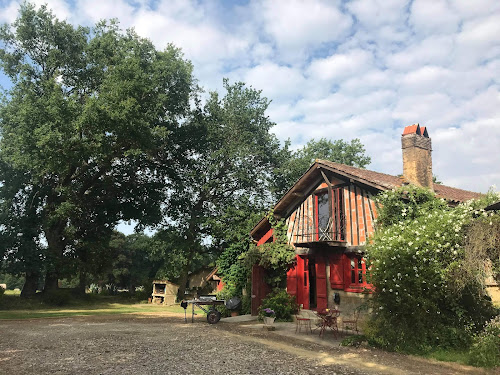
x,y
329,215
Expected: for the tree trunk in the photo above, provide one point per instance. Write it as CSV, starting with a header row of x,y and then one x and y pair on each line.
x,y
51,282
54,258
184,278
80,289
30,285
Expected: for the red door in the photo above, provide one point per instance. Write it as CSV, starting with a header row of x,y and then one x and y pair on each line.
x,y
260,289
321,290
303,281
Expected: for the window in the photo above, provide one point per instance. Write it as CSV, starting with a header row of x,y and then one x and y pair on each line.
x,y
329,215
356,266
322,216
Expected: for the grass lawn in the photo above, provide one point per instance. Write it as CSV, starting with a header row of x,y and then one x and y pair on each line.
x,y
13,307
458,356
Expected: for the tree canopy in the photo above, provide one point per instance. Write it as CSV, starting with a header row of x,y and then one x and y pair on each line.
x,y
223,173
339,151
85,134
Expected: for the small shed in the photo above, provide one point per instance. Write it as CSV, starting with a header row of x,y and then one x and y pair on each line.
x,y
164,292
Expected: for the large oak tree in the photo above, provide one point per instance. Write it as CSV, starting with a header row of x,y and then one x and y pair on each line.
x,y
85,137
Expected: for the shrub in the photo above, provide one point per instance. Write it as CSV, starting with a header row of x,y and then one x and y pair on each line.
x,y
485,351
141,294
421,300
354,340
58,297
2,291
281,303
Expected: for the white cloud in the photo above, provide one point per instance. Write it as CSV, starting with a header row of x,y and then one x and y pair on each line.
x,y
277,82
358,69
433,16
339,67
296,25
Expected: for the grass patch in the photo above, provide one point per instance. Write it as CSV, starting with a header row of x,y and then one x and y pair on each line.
x,y
14,307
449,355
12,292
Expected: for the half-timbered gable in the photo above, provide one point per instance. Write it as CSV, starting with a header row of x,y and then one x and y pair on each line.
x,y
330,213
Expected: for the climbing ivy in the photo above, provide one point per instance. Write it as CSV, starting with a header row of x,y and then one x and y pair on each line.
x,y
275,257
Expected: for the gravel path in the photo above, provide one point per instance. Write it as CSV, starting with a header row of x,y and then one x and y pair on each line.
x,y
130,344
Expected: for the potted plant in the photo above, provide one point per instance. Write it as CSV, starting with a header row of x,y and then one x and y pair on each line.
x,y
269,316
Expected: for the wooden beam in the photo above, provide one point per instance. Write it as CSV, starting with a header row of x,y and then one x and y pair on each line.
x,y
326,179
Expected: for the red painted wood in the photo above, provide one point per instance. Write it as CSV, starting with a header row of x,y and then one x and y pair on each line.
x,y
336,271
265,237
260,289
321,290
291,281
347,271
303,282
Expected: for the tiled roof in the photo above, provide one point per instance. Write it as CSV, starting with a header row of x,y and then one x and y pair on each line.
x,y
386,181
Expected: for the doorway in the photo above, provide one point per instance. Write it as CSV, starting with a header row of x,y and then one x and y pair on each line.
x,y
312,283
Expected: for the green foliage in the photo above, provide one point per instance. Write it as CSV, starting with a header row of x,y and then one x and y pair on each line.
x,y
485,351
354,340
275,257
85,138
405,203
12,281
295,164
2,292
59,297
417,257
283,305
222,172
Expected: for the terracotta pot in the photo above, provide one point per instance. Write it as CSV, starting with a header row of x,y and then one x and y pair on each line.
x,y
235,313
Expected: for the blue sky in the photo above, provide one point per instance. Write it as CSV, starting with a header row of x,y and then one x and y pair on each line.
x,y
342,69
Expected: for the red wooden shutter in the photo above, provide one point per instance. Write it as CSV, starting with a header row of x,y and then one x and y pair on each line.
x,y
291,281
303,282
336,272
347,270
321,290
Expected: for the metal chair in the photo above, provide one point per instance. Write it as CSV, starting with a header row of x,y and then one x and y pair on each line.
x,y
352,322
302,321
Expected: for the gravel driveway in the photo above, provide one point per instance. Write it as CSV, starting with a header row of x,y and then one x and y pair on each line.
x,y
129,344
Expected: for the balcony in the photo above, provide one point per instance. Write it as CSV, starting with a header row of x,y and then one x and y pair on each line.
x,y
332,234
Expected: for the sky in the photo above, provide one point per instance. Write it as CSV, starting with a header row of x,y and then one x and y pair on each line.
x,y
341,69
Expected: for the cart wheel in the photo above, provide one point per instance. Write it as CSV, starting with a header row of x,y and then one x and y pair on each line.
x,y
213,316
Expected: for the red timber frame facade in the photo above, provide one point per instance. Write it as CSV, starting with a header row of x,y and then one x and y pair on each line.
x,y
327,228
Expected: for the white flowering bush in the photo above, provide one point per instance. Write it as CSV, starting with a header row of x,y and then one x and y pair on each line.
x,y
415,258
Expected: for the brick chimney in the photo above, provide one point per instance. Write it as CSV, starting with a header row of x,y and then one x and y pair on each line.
x,y
417,160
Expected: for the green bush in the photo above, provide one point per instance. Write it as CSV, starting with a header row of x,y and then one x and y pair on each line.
x,y
485,351
282,303
422,299
59,297
142,294
354,340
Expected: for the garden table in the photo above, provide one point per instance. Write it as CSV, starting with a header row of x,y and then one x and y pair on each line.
x,y
328,320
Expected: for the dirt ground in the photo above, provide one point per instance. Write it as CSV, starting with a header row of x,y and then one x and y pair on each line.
x,y
149,344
